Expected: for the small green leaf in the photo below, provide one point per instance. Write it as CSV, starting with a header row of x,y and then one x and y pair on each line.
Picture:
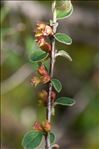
x,y
64,54
63,14
32,139
52,137
63,38
57,85
65,101
38,56
64,9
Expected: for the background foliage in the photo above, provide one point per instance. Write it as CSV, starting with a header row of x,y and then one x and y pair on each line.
x,y
78,126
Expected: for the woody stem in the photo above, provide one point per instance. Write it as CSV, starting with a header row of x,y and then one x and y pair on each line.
x,y
52,63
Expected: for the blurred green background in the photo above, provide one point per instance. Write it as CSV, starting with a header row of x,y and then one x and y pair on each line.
x,y
76,127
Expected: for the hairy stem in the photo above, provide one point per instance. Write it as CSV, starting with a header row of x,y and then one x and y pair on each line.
x,y
52,62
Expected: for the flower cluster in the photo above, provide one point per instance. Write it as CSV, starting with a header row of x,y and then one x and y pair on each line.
x,y
42,32
43,76
42,127
44,97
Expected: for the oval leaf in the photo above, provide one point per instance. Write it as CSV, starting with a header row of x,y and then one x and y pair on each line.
x,y
63,38
64,54
57,85
32,139
52,137
64,9
65,101
38,56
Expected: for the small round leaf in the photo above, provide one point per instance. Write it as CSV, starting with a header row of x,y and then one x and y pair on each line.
x,y
63,38
32,139
65,101
64,9
52,137
57,85
64,54
38,56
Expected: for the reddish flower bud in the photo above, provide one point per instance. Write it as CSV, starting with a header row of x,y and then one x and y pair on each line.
x,y
48,31
43,96
43,29
40,40
46,78
35,81
41,26
37,126
38,34
46,47
42,70
44,74
43,44
46,126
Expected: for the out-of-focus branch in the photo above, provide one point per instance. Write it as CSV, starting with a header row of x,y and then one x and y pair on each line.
x,y
83,98
16,79
32,9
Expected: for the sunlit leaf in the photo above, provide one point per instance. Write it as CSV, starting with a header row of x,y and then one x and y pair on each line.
x,y
63,38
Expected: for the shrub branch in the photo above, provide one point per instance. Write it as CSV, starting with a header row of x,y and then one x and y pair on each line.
x,y
52,63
